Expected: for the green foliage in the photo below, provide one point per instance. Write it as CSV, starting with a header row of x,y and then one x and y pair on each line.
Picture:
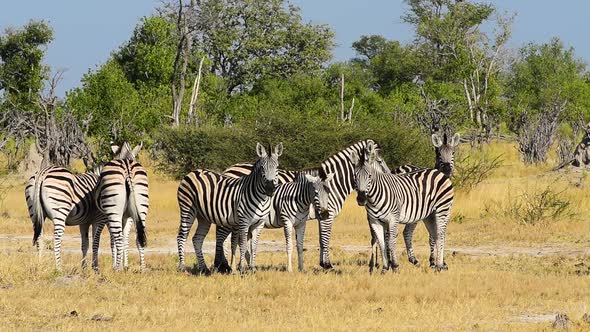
x,y
148,57
308,140
21,69
246,40
117,108
548,74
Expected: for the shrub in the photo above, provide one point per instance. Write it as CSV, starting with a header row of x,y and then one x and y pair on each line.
x,y
308,140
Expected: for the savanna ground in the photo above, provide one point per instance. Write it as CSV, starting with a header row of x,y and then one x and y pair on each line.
x,y
506,272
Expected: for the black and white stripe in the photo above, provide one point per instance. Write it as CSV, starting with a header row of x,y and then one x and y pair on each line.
x,y
239,205
444,162
290,209
65,198
342,168
392,199
122,195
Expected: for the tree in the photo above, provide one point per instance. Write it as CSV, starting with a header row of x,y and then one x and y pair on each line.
x,y
21,69
547,85
246,40
453,49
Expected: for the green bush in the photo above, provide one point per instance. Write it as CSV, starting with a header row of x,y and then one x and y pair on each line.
x,y
307,141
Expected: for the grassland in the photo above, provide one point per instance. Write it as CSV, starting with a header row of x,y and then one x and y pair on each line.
x,y
497,279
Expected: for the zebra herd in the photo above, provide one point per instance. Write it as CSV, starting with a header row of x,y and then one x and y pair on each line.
x,y
247,197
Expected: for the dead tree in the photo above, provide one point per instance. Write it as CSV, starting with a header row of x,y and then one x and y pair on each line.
x,y
580,156
192,115
536,134
59,136
344,115
181,60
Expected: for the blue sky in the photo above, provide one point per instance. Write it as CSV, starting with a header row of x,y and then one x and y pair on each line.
x,y
86,32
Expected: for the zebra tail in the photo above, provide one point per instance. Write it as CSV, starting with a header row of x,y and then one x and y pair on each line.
x,y
38,214
139,223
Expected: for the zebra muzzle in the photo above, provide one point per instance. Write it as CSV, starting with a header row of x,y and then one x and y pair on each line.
x,y
269,188
361,198
324,214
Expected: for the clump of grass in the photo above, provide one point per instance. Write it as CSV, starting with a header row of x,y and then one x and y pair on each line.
x,y
533,208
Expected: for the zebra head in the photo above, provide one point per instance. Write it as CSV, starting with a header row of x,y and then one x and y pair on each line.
x,y
124,152
268,166
445,152
363,168
321,191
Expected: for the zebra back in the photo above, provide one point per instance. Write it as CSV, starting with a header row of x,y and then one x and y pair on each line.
x,y
55,192
123,191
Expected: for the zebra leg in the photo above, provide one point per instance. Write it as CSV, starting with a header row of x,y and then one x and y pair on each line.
x,y
116,229
430,224
254,245
234,246
141,250
243,239
198,239
325,229
288,229
393,228
408,234
58,231
378,229
441,230
300,234
373,262
126,231
220,262
186,222
84,235
96,231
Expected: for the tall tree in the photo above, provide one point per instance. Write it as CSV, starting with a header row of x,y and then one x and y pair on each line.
x,y
547,85
21,69
455,50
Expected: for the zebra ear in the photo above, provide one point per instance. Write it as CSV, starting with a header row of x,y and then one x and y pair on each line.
x,y
311,178
260,150
115,148
354,158
437,140
136,149
279,149
455,140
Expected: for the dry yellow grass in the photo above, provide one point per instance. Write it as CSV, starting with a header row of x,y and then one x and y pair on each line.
x,y
509,292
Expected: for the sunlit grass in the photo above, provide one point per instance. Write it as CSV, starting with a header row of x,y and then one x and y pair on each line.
x,y
477,293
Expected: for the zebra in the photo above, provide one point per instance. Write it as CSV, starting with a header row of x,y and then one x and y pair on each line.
x,y
445,155
444,162
391,199
122,195
341,166
236,204
67,199
291,208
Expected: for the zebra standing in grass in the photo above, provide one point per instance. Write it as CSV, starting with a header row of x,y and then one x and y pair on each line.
x,y
342,168
444,162
392,199
236,204
290,208
122,195
67,199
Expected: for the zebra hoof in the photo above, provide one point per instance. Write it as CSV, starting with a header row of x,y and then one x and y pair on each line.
x,y
327,266
224,269
384,270
395,269
439,268
414,261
